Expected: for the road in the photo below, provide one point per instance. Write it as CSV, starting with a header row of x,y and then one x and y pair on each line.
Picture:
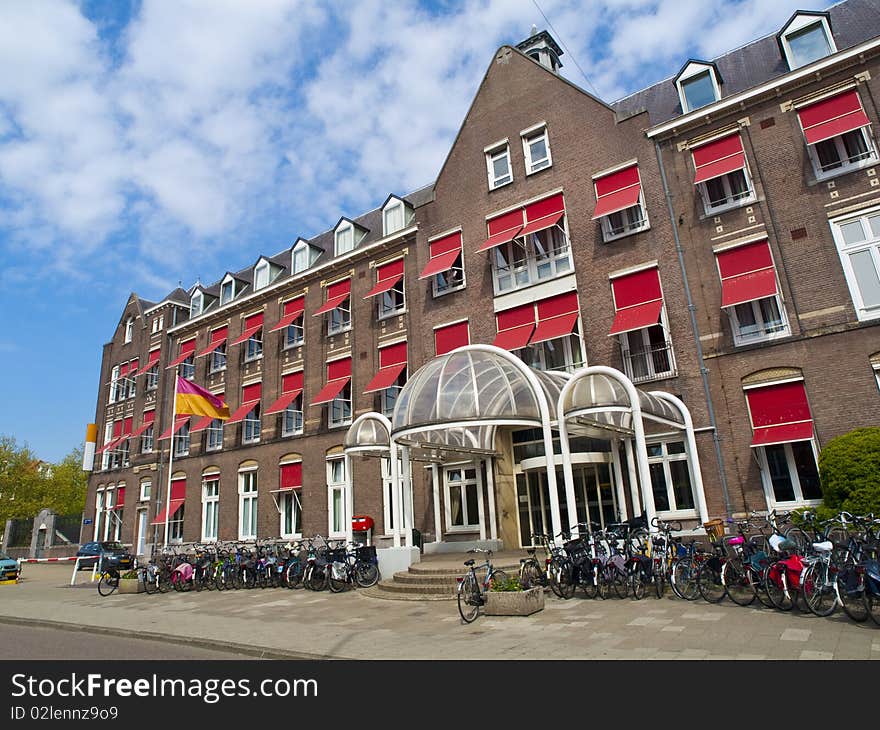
x,y
38,642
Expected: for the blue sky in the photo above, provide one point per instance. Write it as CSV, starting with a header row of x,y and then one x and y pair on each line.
x,y
145,144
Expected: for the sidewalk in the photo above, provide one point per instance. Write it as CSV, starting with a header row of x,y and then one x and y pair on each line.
x,y
304,624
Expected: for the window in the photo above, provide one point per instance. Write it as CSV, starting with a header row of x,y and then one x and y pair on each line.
x,y
151,379
99,514
339,318
175,525
389,395
181,440
339,413
536,150
670,477
392,302
462,499
215,435
858,243
759,320
292,417
445,267
647,354
114,384
196,304
261,276
147,440
247,505
300,257
498,165
253,349
620,204
210,507
450,280
157,324
129,329
291,513
727,191
388,497
336,483
218,359
848,151
251,432
108,437
805,39
536,257
188,368
789,473
626,221
294,334
698,90
344,239
394,218
562,353
123,451
875,366
227,291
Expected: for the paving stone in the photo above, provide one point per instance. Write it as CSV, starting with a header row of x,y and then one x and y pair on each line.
x,y
795,635
673,629
811,654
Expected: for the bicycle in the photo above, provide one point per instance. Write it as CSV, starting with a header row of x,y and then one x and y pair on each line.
x,y
109,581
471,589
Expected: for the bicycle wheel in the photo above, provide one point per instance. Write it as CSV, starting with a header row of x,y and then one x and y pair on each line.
x,y
756,581
336,585
709,582
798,537
530,574
318,578
588,580
637,586
872,606
851,591
468,598
108,584
775,586
295,575
366,574
736,581
818,590
554,573
659,580
163,578
620,585
150,583
683,579
565,579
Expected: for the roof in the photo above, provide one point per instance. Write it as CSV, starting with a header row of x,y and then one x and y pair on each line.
x,y
852,22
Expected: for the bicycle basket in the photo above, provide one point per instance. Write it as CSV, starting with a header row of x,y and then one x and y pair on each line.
x,y
367,554
337,555
577,551
714,529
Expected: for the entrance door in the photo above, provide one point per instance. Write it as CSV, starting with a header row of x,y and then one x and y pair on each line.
x,y
595,499
141,531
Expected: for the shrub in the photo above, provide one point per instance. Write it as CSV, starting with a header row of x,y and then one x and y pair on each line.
x,y
849,470
510,584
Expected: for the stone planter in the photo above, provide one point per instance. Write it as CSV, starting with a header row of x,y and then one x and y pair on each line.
x,y
130,585
514,603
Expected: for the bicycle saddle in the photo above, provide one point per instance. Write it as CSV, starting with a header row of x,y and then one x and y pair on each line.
x,y
469,563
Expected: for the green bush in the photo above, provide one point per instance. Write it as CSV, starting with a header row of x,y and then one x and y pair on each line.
x,y
510,584
849,471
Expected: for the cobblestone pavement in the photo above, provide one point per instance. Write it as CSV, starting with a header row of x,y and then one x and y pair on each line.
x,y
302,623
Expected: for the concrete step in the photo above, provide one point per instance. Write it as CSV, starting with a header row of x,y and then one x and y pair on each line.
x,y
394,586
378,592
447,569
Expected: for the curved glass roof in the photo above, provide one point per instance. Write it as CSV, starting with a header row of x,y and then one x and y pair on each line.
x,y
369,435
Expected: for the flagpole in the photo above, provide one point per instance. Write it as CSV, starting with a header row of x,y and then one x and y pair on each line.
x,y
170,457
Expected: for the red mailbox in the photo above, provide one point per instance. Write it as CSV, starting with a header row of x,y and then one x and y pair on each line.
x,y
361,523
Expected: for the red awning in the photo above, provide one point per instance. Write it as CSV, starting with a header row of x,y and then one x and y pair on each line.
x,y
451,337
281,405
201,424
186,349
444,252
292,311
540,224
242,411
152,360
387,277
503,229
330,391
832,117
515,327
638,301
780,413
148,418
392,362
252,325
291,388
557,317
617,191
747,273
218,337
336,294
291,476
178,496
120,498
178,424
109,445
718,157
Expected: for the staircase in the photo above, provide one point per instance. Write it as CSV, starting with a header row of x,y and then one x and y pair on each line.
x,y
434,580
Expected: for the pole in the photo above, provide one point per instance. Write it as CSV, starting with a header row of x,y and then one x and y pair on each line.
x,y
170,459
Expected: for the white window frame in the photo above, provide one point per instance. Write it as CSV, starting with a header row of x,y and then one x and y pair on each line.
x,y
196,304
529,137
502,149
145,490
693,71
871,243
336,487
151,378
108,436
175,525
631,225
214,435
99,514
847,165
157,323
626,355
217,359
527,271
464,483
261,270
763,335
253,348
875,368
388,496
767,482
297,264
182,440
340,244
129,329
225,297
388,396
340,405
210,507
438,289
800,25
393,207
298,330
730,200
674,513
248,494
251,426
114,382
535,355
341,323
147,439
289,500
392,302
294,415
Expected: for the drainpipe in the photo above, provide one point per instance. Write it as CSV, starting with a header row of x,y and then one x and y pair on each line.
x,y
704,372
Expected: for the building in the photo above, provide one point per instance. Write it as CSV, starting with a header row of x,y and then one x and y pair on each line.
x,y
715,237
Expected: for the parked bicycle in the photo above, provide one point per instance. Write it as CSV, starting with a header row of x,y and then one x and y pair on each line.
x,y
472,590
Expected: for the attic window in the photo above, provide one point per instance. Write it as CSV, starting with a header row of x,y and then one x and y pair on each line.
x,y
806,39
261,275
129,329
301,257
344,239
195,305
698,89
227,291
394,217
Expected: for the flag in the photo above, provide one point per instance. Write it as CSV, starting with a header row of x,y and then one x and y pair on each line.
x,y
190,398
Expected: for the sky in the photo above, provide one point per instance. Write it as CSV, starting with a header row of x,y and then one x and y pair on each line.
x,y
146,144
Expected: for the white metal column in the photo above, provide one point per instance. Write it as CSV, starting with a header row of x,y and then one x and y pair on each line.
x,y
438,524
618,479
490,489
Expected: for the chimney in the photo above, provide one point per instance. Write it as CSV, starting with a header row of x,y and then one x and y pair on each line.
x,y
541,47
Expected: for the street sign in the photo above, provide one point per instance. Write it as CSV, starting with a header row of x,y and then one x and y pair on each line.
x,y
87,521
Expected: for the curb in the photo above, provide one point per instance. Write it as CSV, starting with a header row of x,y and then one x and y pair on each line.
x,y
229,646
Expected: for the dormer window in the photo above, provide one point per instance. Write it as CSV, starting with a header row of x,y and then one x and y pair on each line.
x,y
303,256
395,216
261,275
344,239
196,304
227,290
698,85
129,329
806,38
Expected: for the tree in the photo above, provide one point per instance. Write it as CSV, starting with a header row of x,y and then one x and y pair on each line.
x,y
849,470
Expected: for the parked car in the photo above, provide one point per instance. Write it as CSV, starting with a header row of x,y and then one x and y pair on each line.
x,y
115,555
8,567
